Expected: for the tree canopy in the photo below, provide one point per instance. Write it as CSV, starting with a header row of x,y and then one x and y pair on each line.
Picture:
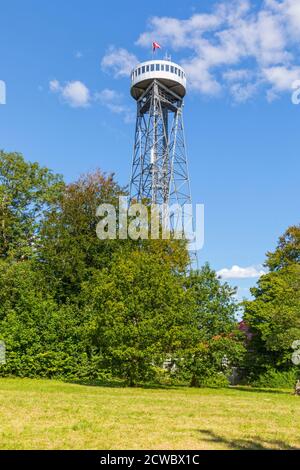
x,y
75,306
27,193
287,251
274,314
141,315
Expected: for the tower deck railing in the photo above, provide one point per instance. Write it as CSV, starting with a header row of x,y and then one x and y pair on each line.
x,y
162,70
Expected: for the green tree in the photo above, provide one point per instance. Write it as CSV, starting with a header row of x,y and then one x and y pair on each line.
x,y
141,315
27,192
274,314
212,360
217,306
71,249
274,318
42,338
71,303
287,251
219,339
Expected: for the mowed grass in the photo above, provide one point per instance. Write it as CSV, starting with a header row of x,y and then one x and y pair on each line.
x,y
41,414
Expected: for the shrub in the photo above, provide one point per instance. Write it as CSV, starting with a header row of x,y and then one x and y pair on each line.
x,y
216,380
212,361
277,379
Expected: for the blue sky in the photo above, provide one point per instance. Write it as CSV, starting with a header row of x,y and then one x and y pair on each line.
x,y
66,63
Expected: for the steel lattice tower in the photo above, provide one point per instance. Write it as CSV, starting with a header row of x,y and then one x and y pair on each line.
x,y
159,167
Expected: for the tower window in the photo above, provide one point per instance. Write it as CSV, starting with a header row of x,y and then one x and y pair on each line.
x,y
143,69
162,67
157,67
167,68
147,68
139,71
152,67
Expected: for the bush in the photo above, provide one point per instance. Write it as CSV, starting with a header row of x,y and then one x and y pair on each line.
x,y
42,338
217,380
277,379
212,361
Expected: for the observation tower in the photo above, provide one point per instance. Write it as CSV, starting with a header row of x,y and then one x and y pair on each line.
x,y
159,167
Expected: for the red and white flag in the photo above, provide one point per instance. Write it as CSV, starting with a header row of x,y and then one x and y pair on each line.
x,y
155,46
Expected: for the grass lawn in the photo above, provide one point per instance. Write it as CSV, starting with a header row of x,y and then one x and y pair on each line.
x,y
43,414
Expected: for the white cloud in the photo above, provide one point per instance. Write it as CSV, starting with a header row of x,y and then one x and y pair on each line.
x,y
290,11
74,93
77,95
201,78
118,61
54,85
236,272
107,96
112,100
282,78
242,92
236,48
233,75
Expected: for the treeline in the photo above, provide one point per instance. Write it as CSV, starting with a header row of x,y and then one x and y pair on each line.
x,y
79,308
